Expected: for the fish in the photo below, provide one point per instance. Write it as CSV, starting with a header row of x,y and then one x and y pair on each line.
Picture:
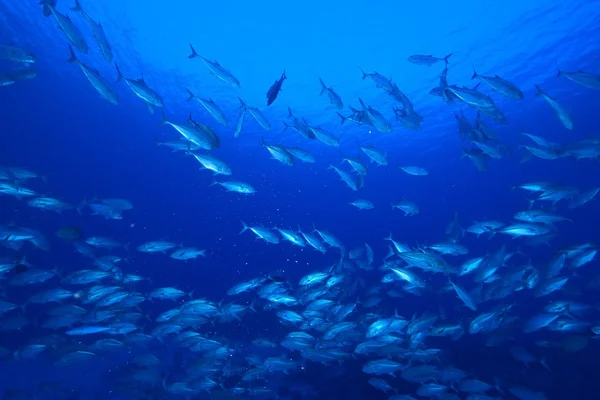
x,y
464,296
197,134
428,60
324,137
275,89
334,99
377,156
216,69
98,33
586,79
558,109
362,204
236,186
69,233
301,154
142,90
412,170
187,253
299,125
380,80
500,85
212,163
256,114
50,204
17,54
376,118
210,106
239,123
471,97
67,26
87,330
410,208
262,233
14,76
279,153
96,80
352,182
46,9
160,246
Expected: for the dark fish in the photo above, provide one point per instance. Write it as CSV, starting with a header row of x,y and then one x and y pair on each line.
x,y
276,278
275,89
46,9
20,268
69,233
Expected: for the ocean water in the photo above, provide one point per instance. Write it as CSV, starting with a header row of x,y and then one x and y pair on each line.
x,y
85,149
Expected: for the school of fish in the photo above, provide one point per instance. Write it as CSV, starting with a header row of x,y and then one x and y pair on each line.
x,y
332,316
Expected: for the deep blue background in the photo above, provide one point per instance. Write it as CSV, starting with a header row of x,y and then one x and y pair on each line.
x,y
57,125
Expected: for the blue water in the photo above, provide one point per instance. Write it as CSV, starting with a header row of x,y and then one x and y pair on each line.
x,y
57,125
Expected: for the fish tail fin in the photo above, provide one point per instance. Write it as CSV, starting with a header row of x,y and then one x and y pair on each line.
x,y
194,54
474,74
284,76
72,57
558,72
314,228
46,9
539,90
163,118
323,87
244,227
544,363
251,307
363,72
286,126
157,142
77,7
262,141
343,119
244,106
190,94
119,74
447,57
290,114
